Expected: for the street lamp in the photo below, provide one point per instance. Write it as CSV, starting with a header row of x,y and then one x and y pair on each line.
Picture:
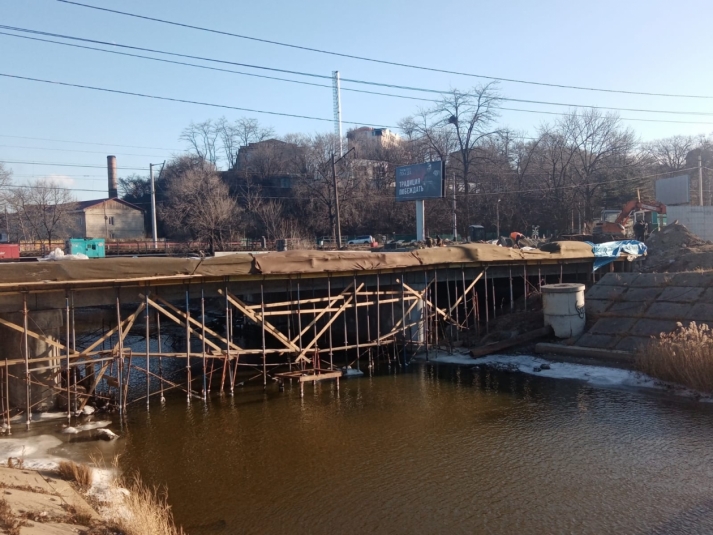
x,y
154,232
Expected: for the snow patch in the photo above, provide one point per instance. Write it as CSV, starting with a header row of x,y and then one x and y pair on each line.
x,y
595,375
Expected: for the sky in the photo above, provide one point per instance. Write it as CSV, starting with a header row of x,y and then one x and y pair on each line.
x,y
623,45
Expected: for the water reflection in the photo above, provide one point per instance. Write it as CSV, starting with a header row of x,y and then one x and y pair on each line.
x,y
434,450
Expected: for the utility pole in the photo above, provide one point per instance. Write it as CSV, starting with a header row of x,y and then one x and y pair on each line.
x,y
154,230
337,110
336,203
455,226
700,179
154,234
497,218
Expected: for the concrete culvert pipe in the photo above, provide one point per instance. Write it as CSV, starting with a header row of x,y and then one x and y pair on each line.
x,y
563,306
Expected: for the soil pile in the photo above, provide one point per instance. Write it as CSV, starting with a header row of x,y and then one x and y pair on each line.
x,y
675,248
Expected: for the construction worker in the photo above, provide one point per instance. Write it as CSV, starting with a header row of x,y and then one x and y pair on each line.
x,y
516,237
640,231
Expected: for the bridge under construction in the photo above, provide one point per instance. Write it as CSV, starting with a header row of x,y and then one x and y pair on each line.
x,y
72,331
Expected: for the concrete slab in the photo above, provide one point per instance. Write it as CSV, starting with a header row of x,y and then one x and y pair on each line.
x,y
594,307
618,279
701,313
603,292
645,280
701,280
12,477
631,343
71,497
707,296
641,294
626,309
51,528
599,341
613,326
670,311
649,327
681,294
21,501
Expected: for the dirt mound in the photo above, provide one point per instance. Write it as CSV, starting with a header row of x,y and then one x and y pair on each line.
x,y
675,248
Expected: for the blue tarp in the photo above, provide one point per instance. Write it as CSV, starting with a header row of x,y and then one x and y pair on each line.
x,y
606,253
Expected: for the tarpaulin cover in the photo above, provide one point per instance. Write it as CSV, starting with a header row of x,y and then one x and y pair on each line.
x,y
326,261
484,252
123,268
605,253
274,263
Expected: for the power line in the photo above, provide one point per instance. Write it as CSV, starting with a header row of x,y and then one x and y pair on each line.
x,y
71,165
250,110
61,188
374,60
300,73
183,101
86,143
75,150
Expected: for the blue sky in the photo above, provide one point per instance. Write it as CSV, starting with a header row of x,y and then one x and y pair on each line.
x,y
651,46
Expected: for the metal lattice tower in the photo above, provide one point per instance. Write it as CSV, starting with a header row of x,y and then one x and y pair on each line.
x,y
337,110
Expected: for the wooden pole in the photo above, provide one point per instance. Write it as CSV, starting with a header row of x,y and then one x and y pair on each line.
x,y
512,302
120,367
188,346
356,322
487,314
329,300
403,321
7,397
262,317
378,317
160,358
147,311
26,344
69,407
205,386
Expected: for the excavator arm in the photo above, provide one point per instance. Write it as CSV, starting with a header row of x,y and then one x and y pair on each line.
x,y
653,206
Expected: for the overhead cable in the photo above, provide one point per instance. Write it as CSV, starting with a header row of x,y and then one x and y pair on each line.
x,y
381,61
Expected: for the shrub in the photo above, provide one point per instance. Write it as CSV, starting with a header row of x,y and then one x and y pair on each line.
x,y
144,511
684,356
81,474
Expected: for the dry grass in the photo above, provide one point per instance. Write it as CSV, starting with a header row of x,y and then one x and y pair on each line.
x,y
81,474
145,511
684,356
10,523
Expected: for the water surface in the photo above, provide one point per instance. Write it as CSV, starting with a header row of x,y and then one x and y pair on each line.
x,y
435,450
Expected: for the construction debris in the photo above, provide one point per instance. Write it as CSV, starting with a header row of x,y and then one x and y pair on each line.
x,y
675,248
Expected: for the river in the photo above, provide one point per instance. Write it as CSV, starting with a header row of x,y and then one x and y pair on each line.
x,y
438,449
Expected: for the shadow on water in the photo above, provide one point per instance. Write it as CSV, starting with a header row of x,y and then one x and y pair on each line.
x,y
437,449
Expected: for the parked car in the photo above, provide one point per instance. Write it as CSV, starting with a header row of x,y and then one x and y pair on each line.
x,y
359,240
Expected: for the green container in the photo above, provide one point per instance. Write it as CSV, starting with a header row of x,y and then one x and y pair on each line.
x,y
92,247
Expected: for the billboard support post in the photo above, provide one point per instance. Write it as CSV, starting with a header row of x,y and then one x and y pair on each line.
x,y
420,220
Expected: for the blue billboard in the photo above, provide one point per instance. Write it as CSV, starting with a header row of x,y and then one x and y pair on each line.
x,y
420,181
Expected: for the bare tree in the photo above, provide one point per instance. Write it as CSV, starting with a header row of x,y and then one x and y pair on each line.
x,y
669,154
198,205
5,180
601,146
271,216
240,134
43,210
203,140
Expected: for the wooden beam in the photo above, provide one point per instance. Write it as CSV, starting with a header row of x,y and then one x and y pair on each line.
x,y
257,318
198,324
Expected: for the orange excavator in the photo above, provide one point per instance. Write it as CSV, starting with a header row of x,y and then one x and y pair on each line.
x,y
616,228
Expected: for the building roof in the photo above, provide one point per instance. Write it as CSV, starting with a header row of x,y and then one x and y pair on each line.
x,y
83,205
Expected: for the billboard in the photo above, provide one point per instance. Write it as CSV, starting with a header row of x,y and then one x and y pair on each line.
x,y
675,190
420,181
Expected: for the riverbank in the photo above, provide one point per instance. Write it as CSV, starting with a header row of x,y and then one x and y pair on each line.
x,y
574,369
